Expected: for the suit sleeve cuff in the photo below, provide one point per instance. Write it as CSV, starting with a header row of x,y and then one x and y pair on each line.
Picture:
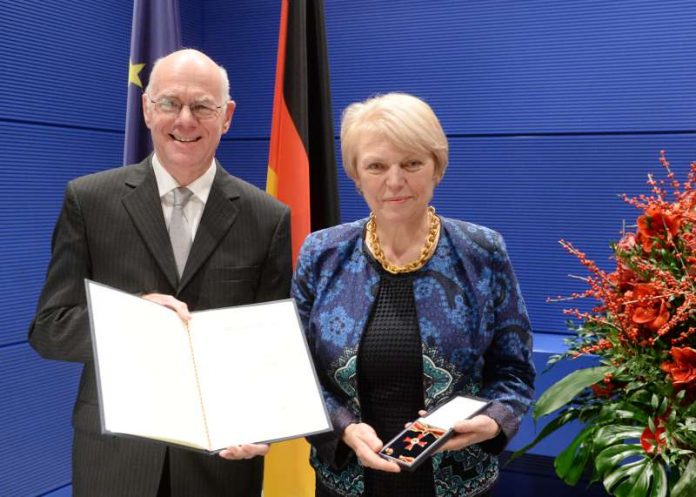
x,y
508,428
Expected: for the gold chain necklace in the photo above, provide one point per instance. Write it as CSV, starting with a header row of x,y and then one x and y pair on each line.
x,y
425,254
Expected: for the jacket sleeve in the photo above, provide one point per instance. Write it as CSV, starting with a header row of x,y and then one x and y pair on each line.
x,y
60,329
329,446
508,377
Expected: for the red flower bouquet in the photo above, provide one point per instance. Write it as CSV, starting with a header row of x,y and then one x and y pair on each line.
x,y
638,405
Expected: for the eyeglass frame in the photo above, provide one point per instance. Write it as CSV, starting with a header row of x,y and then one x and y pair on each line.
x,y
217,108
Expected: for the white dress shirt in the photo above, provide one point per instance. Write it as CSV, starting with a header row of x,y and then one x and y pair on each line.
x,y
200,189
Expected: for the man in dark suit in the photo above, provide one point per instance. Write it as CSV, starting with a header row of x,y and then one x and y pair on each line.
x,y
113,229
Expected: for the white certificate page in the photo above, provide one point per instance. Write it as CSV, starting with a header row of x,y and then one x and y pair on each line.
x,y
258,382
230,376
144,369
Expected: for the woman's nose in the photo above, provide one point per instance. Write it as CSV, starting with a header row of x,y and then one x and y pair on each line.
x,y
395,175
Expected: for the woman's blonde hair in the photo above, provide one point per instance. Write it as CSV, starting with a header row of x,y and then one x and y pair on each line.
x,y
402,119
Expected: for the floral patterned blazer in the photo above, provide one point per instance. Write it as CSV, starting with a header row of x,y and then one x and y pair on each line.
x,y
475,333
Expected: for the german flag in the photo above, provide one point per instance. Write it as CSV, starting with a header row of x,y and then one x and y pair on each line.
x,y
302,174
302,162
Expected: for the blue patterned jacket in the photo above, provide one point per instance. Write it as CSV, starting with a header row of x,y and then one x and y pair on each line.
x,y
476,339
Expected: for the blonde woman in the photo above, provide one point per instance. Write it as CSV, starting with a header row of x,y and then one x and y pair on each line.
x,y
405,309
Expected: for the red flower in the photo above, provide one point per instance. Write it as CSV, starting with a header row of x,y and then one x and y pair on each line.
x,y
623,278
691,265
650,311
652,442
656,223
626,243
606,387
603,390
682,370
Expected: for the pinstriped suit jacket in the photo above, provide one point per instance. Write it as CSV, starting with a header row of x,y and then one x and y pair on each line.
x,y
112,230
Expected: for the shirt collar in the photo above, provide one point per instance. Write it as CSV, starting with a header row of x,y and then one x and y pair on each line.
x,y
166,183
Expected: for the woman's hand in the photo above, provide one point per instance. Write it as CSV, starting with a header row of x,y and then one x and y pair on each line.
x,y
471,431
246,451
363,439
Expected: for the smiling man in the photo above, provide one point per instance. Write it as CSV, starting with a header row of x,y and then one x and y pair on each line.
x,y
187,108
178,230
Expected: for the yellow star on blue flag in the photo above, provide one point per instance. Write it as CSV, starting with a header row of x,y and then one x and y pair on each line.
x,y
134,73
155,33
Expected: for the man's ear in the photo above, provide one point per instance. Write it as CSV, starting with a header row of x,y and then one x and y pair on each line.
x,y
229,112
146,109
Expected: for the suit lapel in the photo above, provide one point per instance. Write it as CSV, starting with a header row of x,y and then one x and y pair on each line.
x,y
219,214
143,205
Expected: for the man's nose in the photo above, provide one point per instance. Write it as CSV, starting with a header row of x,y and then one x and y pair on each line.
x,y
185,114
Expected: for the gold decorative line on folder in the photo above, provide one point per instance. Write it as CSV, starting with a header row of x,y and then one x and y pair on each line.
x,y
198,385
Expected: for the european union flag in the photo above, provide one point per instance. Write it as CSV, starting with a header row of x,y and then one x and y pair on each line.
x,y
155,33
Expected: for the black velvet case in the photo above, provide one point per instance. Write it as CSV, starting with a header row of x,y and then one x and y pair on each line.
x,y
422,437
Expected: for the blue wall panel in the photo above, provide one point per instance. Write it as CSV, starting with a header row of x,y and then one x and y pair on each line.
x,y
191,13
65,63
243,37
246,159
538,190
520,67
64,75
37,161
61,492
36,399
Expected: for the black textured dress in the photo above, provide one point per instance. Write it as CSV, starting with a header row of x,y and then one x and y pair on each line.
x,y
390,380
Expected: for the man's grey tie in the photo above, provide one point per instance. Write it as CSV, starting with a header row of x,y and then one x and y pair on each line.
x,y
180,229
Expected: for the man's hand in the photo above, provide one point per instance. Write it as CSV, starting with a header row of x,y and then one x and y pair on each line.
x,y
168,301
246,451
363,439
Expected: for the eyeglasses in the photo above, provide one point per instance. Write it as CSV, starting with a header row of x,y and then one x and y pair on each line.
x,y
200,110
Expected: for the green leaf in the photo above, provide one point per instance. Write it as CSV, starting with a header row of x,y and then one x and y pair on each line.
x,y
571,462
641,396
612,434
612,456
686,486
626,414
574,472
622,472
646,479
637,484
651,425
550,427
660,487
611,410
664,405
566,389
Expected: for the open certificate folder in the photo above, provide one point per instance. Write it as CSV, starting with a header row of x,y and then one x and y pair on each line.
x,y
230,376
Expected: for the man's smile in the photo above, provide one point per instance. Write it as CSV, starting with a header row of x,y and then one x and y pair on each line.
x,y
184,139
